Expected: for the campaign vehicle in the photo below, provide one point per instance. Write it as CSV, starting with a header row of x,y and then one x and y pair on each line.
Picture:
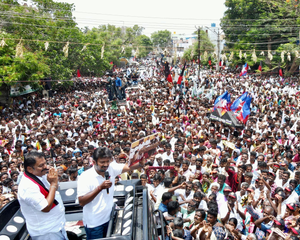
x,y
132,216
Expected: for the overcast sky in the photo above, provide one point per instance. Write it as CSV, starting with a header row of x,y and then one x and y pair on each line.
x,y
175,16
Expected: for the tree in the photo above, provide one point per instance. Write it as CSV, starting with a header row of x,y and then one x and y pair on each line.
x,y
46,27
29,69
43,20
263,25
161,38
205,46
145,45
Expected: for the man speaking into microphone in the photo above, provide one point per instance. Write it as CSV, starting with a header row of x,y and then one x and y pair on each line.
x,y
95,191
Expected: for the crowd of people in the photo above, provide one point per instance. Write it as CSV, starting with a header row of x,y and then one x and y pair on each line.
x,y
214,181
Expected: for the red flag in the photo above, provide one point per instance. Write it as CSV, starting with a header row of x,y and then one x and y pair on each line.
x,y
169,78
181,75
78,73
179,80
111,63
209,61
280,72
260,66
220,63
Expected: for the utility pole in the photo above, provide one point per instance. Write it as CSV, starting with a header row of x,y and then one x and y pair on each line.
x,y
199,42
218,49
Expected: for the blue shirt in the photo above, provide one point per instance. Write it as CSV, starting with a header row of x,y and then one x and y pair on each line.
x,y
291,167
118,82
81,170
162,207
297,189
187,235
57,114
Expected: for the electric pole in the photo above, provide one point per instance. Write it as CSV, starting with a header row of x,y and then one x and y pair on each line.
x,y
218,49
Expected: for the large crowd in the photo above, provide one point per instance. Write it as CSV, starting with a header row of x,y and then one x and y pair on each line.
x,y
215,181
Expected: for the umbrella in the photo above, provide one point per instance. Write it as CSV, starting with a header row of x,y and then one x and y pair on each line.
x,y
216,115
230,119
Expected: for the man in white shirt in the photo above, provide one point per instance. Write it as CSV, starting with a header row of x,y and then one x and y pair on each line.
x,y
185,170
97,202
40,203
185,194
168,154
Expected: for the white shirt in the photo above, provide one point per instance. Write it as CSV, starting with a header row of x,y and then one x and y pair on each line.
x,y
187,174
166,156
159,191
182,192
32,202
233,214
203,205
97,212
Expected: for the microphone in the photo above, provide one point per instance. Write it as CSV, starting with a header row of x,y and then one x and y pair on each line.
x,y
107,178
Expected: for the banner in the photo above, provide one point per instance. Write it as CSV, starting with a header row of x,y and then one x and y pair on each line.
x,y
144,147
21,90
276,234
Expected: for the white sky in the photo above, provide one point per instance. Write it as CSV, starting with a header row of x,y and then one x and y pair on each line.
x,y
176,16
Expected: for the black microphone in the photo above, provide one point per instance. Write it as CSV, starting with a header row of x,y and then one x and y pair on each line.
x,y
107,178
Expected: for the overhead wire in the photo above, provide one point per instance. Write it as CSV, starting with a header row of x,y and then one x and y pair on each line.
x,y
152,24
139,16
90,20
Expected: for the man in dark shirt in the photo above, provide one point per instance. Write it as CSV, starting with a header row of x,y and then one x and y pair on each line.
x,y
234,179
166,198
178,224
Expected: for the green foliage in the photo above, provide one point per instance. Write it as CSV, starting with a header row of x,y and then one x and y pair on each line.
x,y
48,20
192,52
28,69
161,38
146,44
262,25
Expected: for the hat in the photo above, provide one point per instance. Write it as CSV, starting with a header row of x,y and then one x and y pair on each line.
x,y
271,173
227,189
279,222
250,189
289,189
291,206
295,231
232,194
75,135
